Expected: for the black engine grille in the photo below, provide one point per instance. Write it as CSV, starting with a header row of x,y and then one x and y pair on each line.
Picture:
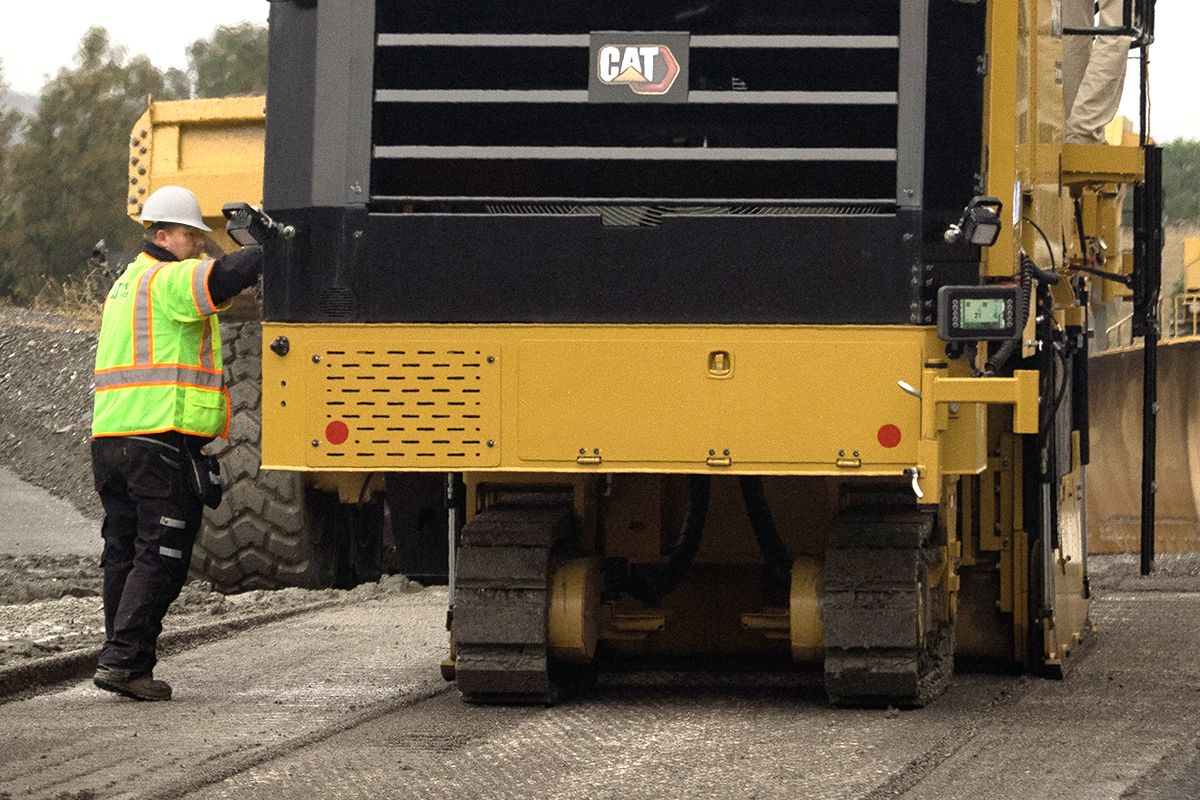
x,y
488,103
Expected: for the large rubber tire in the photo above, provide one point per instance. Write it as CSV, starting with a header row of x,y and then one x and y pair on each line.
x,y
269,531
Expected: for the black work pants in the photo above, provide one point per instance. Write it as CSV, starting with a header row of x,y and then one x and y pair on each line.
x,y
151,518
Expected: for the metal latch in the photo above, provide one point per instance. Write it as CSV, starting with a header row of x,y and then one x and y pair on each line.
x,y
849,461
722,460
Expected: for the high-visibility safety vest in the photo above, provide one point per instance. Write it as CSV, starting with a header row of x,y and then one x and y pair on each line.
x,y
158,360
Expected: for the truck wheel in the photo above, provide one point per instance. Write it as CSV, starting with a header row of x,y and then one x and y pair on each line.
x,y
270,530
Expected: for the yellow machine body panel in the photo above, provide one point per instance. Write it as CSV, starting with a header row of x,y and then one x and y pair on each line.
x,y
214,147
662,399
828,400
676,399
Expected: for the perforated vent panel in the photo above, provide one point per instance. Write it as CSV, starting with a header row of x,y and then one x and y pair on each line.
x,y
421,405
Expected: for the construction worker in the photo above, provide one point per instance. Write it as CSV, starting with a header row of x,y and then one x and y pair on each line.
x,y
160,397
1093,70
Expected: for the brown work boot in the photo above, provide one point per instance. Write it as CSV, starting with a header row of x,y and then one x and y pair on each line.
x,y
143,687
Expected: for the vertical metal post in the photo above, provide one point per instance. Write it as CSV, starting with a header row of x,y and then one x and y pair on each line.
x,y
1080,389
1148,243
1149,445
910,133
1048,525
452,534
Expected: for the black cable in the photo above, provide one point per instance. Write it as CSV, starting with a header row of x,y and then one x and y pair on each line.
x,y
1083,248
775,555
362,495
1004,352
1046,239
1052,411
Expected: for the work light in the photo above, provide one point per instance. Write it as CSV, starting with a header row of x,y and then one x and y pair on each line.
x,y
979,224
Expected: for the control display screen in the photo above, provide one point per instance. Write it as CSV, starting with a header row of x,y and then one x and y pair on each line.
x,y
981,312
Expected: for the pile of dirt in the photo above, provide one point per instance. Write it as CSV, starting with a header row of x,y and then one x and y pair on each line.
x,y
46,366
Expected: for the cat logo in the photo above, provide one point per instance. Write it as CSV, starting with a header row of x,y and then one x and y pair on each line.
x,y
645,69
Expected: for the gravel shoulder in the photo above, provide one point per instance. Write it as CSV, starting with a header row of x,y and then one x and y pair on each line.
x,y
46,366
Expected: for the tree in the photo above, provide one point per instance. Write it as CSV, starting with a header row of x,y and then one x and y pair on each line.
x,y
10,120
68,177
232,62
1181,180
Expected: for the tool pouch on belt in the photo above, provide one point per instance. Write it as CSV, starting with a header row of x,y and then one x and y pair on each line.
x,y
205,478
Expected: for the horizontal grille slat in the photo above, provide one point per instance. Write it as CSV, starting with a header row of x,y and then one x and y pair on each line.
x,y
581,40
641,153
730,70
743,181
746,17
580,96
588,125
807,206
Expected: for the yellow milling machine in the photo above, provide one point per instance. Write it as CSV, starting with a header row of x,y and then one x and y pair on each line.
x,y
759,342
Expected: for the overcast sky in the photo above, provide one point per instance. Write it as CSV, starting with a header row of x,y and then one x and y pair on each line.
x,y
38,37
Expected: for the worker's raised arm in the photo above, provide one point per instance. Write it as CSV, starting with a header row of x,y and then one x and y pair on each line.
x,y
233,272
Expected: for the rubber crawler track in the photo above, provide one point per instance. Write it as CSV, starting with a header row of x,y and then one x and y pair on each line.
x,y
502,600
884,645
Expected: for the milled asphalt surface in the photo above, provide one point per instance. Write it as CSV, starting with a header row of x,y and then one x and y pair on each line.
x,y
1132,702
347,702
36,522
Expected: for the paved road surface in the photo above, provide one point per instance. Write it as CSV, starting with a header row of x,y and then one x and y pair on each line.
x,y
346,702
35,522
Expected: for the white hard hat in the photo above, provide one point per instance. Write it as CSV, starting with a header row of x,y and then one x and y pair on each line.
x,y
173,204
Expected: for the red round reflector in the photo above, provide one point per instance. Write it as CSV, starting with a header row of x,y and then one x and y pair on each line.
x,y
336,432
889,435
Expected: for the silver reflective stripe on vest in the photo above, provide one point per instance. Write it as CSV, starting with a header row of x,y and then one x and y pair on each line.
x,y
171,552
141,315
171,522
200,288
165,373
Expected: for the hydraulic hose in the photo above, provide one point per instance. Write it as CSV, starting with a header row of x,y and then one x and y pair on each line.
x,y
775,555
650,583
